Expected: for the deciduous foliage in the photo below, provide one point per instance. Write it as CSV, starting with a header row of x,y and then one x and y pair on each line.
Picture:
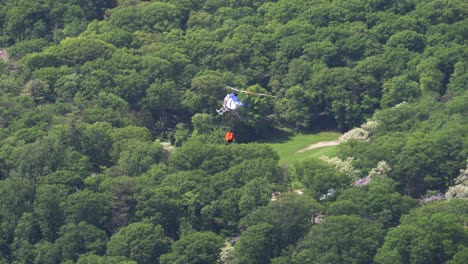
x,y
423,237
195,248
141,242
377,201
93,94
86,205
96,259
255,245
340,239
319,177
76,239
417,144
290,217
50,215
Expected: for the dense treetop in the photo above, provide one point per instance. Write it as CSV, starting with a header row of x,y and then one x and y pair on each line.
x,y
111,150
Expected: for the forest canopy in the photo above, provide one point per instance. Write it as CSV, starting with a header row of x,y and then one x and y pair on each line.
x,y
111,150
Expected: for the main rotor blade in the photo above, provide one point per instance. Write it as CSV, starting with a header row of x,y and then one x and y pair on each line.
x,y
247,92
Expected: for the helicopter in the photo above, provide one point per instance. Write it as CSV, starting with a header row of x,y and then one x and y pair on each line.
x,y
230,106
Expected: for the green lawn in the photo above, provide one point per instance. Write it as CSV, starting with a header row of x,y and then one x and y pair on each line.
x,y
288,146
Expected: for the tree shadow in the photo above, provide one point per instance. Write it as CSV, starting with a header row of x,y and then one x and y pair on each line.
x,y
278,135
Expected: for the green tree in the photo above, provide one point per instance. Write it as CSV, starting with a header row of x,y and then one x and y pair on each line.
x,y
181,134
160,17
25,20
106,107
426,142
125,18
76,239
255,245
15,199
119,38
162,99
137,157
96,259
430,76
96,143
151,17
129,85
340,239
122,204
47,208
194,248
319,177
9,85
66,87
123,136
79,50
299,71
197,155
22,48
427,239
459,78
25,236
340,93
440,11
160,206
408,39
290,217
293,36
223,213
255,193
255,168
86,205
210,90
141,242
399,89
296,107
203,123
36,61
42,157
460,256
47,252
377,201
193,190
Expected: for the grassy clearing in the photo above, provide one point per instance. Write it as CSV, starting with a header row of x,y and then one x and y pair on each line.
x,y
287,146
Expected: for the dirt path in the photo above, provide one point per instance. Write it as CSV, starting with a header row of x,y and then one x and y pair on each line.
x,y
319,145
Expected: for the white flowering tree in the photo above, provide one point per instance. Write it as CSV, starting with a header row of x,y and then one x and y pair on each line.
x,y
460,190
380,171
343,166
362,133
